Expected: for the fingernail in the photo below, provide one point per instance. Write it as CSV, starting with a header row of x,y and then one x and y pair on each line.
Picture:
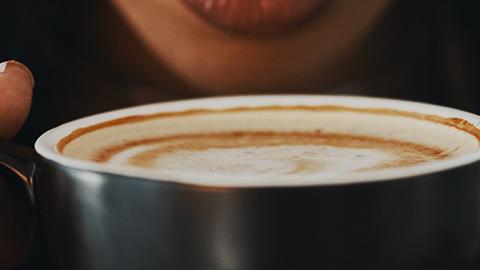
x,y
3,67
25,68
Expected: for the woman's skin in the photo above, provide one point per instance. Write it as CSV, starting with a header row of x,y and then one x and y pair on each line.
x,y
16,84
322,54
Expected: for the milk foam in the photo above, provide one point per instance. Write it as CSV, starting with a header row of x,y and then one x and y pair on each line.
x,y
272,161
272,142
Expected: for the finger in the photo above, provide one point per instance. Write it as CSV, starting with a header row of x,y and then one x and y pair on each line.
x,y
16,84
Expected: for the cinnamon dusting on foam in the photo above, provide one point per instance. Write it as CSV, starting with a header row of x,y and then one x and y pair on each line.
x,y
406,153
457,123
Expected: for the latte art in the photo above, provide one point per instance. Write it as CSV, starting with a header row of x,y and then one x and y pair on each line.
x,y
273,161
270,153
273,141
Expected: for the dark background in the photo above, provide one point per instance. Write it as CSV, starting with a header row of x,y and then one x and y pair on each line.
x,y
431,52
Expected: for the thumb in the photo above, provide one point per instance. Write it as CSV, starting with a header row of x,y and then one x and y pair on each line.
x,y
16,84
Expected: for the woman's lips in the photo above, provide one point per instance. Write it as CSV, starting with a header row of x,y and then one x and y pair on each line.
x,y
256,17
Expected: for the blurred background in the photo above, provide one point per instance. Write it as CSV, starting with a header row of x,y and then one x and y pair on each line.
x,y
423,50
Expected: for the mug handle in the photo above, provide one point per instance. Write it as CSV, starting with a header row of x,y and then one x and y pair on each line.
x,y
17,170
17,166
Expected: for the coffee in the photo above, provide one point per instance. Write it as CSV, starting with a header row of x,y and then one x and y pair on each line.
x,y
271,141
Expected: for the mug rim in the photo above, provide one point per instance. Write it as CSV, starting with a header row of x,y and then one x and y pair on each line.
x,y
45,146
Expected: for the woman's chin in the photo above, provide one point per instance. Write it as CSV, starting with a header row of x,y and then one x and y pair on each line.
x,y
316,55
250,75
226,85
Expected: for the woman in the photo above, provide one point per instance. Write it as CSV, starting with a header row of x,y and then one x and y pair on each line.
x,y
92,56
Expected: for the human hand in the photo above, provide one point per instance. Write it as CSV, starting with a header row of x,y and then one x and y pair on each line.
x,y
16,84
16,228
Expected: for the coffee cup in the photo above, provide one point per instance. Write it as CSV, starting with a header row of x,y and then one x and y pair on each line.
x,y
258,182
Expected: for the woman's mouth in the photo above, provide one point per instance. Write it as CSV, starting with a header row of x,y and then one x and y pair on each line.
x,y
256,17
